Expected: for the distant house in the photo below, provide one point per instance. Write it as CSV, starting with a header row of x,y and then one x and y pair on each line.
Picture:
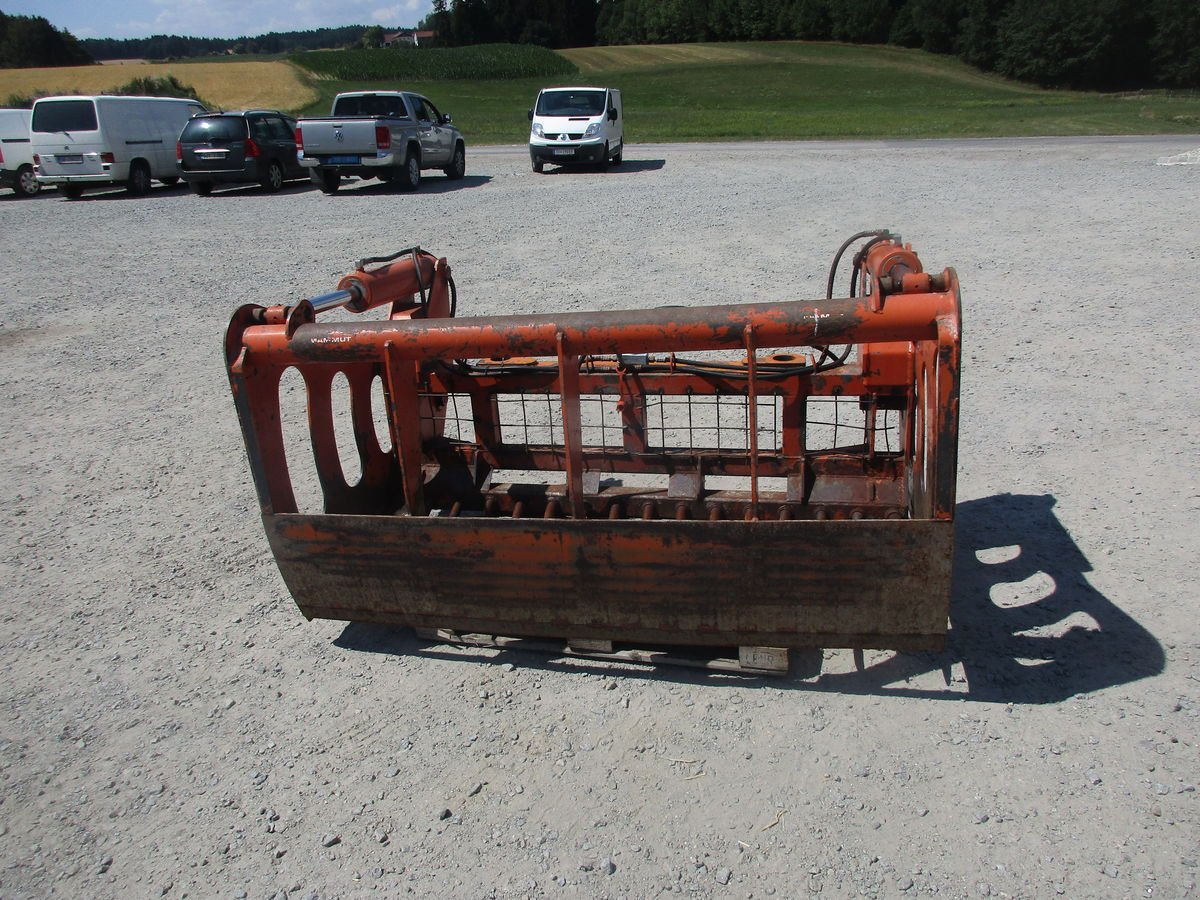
x,y
409,36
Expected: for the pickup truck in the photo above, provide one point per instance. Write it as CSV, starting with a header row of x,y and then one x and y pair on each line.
x,y
389,135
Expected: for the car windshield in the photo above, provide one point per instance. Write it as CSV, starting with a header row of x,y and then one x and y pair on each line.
x,y
214,128
570,103
64,115
370,105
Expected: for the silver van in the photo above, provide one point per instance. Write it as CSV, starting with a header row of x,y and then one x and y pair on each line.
x,y
16,152
80,142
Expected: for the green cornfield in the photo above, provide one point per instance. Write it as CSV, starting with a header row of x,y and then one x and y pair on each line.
x,y
481,62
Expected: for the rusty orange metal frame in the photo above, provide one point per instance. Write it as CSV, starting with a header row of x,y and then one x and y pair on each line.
x,y
630,530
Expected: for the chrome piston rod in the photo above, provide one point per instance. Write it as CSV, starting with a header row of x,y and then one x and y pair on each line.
x,y
332,300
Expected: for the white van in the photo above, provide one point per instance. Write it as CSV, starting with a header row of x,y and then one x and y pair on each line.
x,y
103,140
16,153
573,125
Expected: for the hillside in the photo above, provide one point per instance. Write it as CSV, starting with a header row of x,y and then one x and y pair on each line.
x,y
795,90
689,92
814,90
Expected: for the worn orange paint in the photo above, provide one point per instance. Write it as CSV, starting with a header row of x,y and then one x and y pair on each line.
x,y
854,552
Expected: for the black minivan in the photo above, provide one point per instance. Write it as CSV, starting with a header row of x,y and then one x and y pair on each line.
x,y
257,145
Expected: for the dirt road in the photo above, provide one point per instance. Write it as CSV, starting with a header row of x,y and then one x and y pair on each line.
x,y
171,726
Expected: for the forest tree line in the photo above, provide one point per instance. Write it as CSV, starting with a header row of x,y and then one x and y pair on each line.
x,y
28,41
1064,43
1101,44
1104,44
549,23
174,46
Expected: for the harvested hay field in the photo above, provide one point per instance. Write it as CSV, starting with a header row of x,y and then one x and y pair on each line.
x,y
231,85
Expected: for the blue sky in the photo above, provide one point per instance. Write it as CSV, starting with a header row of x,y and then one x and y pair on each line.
x,y
214,18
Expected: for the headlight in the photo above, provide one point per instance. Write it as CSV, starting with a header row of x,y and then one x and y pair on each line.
x,y
538,131
592,130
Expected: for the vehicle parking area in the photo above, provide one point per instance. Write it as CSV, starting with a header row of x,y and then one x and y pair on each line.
x,y
172,726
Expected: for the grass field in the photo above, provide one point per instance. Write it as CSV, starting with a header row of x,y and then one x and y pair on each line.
x,y
802,90
707,92
231,84
480,62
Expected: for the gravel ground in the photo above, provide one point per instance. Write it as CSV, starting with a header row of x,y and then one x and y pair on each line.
x,y
171,726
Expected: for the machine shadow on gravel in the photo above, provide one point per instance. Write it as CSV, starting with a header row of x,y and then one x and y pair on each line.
x,y
1025,624
1026,627
289,188
628,167
1110,649
433,185
118,193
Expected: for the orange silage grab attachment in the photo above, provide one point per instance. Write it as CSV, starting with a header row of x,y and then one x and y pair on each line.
x,y
767,475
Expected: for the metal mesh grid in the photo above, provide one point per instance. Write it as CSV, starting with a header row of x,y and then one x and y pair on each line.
x,y
600,420
675,422
716,422
887,431
672,422
834,423
531,419
536,419
455,416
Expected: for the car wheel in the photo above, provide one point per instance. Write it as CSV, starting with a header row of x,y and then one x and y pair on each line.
x,y
619,155
273,179
26,184
539,166
604,159
170,180
328,180
458,163
202,188
139,179
410,174
72,191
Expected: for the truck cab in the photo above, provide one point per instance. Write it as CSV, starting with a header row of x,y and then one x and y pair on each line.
x,y
576,125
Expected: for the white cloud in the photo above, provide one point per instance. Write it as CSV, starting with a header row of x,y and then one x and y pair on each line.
x,y
408,12
234,18
387,14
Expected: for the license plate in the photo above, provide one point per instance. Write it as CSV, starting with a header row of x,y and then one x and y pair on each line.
x,y
69,158
344,160
564,151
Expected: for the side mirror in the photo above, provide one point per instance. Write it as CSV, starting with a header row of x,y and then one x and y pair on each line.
x,y
446,120
612,115
530,115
